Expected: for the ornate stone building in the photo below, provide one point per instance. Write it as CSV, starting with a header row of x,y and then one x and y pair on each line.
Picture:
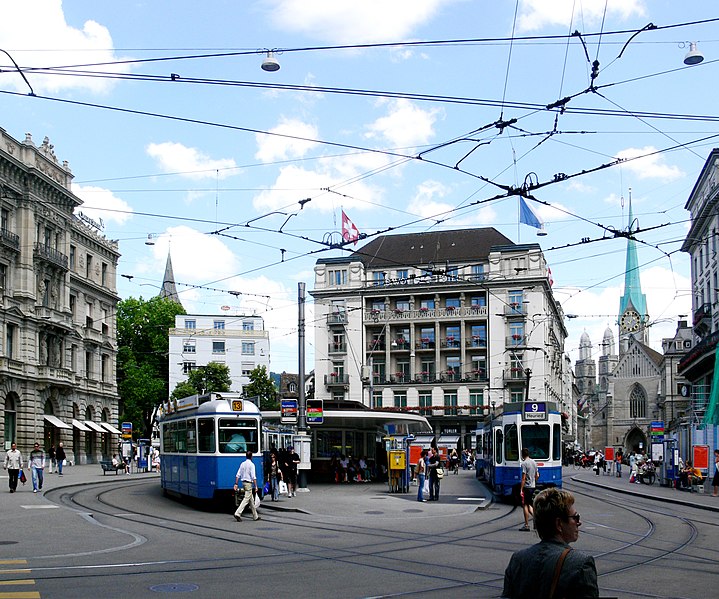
x,y
57,310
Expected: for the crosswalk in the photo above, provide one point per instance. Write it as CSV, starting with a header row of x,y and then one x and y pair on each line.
x,y
15,581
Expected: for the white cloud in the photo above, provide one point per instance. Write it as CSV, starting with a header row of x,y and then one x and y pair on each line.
x,y
177,158
275,147
648,167
535,14
100,203
39,36
405,125
426,203
353,22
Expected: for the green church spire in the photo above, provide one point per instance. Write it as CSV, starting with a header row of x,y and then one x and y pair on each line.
x,y
632,287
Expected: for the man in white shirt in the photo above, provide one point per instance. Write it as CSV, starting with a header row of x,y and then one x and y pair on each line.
x,y
530,475
246,474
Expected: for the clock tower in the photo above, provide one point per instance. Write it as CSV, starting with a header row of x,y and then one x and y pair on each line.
x,y
633,314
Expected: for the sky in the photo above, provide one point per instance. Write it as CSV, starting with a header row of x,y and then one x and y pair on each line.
x,y
408,115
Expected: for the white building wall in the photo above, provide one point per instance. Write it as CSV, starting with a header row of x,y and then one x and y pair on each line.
x,y
241,342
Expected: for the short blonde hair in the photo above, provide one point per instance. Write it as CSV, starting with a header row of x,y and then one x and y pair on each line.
x,y
549,505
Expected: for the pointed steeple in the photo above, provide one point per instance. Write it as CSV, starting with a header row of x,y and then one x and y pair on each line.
x,y
632,287
168,282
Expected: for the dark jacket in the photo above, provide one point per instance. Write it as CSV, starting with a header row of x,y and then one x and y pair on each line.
x,y
60,454
530,572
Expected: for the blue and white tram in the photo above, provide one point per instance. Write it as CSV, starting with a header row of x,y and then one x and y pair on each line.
x,y
203,441
535,425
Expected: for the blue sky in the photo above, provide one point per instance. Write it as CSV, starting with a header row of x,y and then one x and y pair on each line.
x,y
223,144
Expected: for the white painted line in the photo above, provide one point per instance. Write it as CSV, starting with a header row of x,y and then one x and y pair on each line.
x,y
39,507
471,499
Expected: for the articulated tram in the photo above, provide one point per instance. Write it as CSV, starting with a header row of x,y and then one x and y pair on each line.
x,y
203,441
499,442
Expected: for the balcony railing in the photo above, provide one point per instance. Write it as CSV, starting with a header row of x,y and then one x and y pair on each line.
x,y
476,342
335,379
425,377
515,309
51,255
376,346
424,344
337,348
702,312
516,340
425,313
337,318
515,373
9,239
451,377
451,342
401,344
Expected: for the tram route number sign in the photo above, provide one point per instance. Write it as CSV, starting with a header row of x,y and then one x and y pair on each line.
x,y
237,405
127,430
288,411
535,410
315,412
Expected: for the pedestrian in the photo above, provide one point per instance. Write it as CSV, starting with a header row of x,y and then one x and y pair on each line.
x,y
434,467
274,476
419,473
598,458
618,463
715,480
551,568
53,458
13,465
37,467
530,475
293,460
61,457
632,467
246,474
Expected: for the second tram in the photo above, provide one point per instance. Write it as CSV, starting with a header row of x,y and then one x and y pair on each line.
x,y
536,426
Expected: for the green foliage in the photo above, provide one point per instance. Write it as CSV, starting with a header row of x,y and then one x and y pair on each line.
x,y
205,379
262,385
142,364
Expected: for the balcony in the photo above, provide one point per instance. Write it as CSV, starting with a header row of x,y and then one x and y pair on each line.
x,y
376,345
336,379
8,366
55,376
337,318
515,309
516,340
424,343
450,343
424,313
401,345
476,341
425,377
400,378
51,255
514,374
451,376
337,348
703,319
9,240
478,375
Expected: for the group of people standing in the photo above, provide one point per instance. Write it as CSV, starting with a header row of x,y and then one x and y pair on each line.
x,y
429,468
37,461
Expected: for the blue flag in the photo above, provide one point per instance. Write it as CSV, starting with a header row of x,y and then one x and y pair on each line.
x,y
528,216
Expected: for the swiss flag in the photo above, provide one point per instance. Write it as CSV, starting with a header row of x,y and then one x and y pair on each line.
x,y
349,231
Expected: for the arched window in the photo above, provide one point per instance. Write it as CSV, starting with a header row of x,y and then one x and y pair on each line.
x,y
292,387
637,403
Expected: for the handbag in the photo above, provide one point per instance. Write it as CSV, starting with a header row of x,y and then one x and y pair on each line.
x,y
283,487
267,488
22,477
440,472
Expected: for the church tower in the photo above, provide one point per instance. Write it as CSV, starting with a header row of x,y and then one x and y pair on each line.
x,y
168,282
586,374
633,314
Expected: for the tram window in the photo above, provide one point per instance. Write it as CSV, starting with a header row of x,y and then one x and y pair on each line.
x,y
557,442
191,436
166,443
511,443
499,444
238,436
535,437
329,443
206,435
181,437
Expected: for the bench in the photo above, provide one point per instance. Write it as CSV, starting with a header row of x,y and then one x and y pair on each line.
x,y
107,466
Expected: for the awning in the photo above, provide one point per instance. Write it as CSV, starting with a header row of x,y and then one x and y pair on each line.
x,y
448,441
80,426
110,429
94,426
55,421
423,440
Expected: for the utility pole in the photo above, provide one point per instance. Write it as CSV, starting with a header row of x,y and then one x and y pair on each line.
x,y
301,440
528,372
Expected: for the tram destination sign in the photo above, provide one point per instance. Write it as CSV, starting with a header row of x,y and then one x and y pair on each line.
x,y
535,410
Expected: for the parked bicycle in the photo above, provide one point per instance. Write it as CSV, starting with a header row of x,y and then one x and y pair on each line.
x,y
647,473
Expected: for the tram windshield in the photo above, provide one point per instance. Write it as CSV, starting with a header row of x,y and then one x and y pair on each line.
x,y
535,438
238,436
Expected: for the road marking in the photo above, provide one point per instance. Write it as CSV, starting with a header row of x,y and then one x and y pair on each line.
x,y
39,507
13,561
13,582
20,595
471,499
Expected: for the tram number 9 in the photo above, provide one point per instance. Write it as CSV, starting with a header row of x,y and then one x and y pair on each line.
x,y
237,405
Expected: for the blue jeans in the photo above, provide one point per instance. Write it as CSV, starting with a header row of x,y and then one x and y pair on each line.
x,y
37,478
274,485
420,490
59,466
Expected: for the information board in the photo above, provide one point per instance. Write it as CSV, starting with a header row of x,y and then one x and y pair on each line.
x,y
315,412
535,410
127,430
700,453
288,411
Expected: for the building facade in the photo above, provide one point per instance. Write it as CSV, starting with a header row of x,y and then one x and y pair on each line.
x,y
58,305
449,324
240,342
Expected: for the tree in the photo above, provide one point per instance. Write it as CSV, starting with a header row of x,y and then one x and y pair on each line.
x,y
261,385
142,365
204,379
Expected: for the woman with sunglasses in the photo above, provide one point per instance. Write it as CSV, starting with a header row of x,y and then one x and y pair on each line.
x,y
551,568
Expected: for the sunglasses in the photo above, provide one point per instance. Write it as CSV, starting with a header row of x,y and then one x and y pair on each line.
x,y
576,517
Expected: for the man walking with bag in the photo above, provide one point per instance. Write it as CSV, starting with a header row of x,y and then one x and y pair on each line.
x,y
13,465
246,474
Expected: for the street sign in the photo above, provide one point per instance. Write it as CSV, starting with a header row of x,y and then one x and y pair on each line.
x,y
315,413
288,411
127,430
